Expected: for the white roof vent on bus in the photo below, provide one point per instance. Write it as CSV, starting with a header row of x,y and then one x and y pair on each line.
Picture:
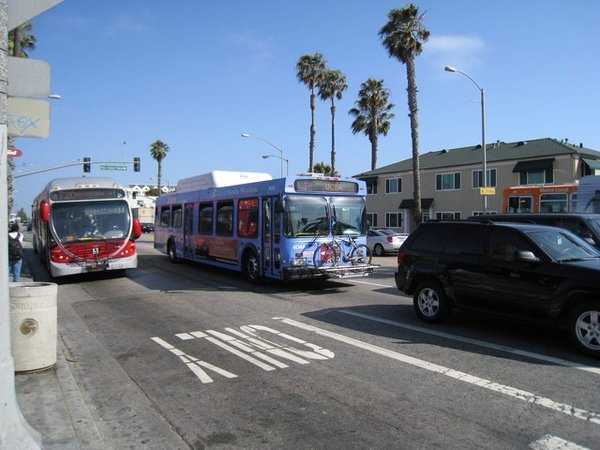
x,y
220,178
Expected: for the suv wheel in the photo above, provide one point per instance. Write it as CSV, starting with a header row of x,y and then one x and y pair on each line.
x,y
584,327
430,302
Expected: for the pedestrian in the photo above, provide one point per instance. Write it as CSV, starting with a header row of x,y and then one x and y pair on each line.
x,y
15,252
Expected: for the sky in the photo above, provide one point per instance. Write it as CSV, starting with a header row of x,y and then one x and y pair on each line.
x,y
196,74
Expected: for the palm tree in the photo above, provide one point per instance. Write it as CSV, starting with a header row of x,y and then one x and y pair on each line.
x,y
21,41
332,87
309,70
324,168
159,151
372,113
403,37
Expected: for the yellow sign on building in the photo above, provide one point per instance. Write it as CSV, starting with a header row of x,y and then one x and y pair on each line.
x,y
487,191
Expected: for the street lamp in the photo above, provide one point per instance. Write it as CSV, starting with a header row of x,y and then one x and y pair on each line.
x,y
287,163
484,175
281,158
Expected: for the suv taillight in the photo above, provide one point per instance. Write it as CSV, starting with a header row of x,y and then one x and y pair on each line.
x,y
401,258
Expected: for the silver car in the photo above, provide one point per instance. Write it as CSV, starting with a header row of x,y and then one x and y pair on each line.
x,y
384,240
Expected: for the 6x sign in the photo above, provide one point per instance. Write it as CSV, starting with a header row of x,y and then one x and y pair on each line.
x,y
248,344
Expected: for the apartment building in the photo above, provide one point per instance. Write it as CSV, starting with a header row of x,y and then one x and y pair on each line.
x,y
451,179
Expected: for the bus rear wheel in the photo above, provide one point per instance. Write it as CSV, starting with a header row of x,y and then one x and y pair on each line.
x,y
251,267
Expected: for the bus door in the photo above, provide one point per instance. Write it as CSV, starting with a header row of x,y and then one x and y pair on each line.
x,y
271,238
188,231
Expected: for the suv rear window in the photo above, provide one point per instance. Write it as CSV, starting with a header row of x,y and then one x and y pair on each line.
x,y
466,241
427,242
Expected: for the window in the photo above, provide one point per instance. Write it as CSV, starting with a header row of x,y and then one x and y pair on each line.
x,y
553,203
447,215
248,217
205,221
466,241
372,187
165,216
520,204
176,216
372,219
393,220
447,181
478,181
225,218
536,177
504,243
393,185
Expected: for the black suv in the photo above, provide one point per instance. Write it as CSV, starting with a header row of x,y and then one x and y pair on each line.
x,y
522,270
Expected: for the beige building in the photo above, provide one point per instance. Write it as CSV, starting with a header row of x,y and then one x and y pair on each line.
x,y
451,179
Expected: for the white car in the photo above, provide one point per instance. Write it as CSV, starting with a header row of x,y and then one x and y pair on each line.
x,y
384,240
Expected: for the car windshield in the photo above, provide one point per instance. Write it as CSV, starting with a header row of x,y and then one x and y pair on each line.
x,y
563,246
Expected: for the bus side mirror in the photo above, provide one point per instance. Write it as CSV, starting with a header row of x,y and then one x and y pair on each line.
x,y
137,228
45,211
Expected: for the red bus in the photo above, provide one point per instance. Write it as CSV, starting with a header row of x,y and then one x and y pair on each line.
x,y
539,198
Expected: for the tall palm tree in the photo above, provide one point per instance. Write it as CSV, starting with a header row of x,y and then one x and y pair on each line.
x,y
159,151
332,87
309,70
403,37
372,113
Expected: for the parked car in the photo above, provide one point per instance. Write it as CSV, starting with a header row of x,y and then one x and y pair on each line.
x,y
148,227
384,240
586,226
516,269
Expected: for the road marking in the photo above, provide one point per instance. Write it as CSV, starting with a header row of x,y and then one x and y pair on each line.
x,y
370,284
549,442
514,351
455,374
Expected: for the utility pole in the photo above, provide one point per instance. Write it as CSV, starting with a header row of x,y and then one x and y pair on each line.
x,y
15,432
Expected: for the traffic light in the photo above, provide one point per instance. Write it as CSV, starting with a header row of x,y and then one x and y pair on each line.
x,y
136,164
87,167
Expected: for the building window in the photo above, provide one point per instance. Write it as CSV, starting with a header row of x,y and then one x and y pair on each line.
x,y
447,181
372,219
393,220
444,215
478,181
480,213
372,187
536,177
393,185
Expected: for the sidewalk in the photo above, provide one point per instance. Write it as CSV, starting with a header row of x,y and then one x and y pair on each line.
x,y
52,403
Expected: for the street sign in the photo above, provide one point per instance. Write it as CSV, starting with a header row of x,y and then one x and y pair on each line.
x,y
112,167
20,12
28,117
487,191
28,77
14,152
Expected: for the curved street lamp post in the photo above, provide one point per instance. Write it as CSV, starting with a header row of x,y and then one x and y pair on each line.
x,y
281,158
484,174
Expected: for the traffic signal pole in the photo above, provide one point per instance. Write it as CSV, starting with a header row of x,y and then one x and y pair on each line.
x,y
135,162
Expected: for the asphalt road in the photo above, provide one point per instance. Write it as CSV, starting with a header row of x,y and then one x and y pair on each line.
x,y
184,356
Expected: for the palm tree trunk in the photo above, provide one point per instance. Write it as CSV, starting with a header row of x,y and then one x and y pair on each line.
x,y
332,136
414,131
159,175
311,149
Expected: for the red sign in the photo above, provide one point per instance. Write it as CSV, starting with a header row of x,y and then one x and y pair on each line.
x,y
14,152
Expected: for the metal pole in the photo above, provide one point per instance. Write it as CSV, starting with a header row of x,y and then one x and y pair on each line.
x,y
484,150
272,145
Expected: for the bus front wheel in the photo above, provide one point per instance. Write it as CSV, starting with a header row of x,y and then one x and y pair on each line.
x,y
251,267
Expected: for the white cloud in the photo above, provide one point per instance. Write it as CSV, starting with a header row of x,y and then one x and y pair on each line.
x,y
464,52
256,51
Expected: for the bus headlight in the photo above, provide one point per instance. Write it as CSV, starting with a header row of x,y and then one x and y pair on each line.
x,y
298,262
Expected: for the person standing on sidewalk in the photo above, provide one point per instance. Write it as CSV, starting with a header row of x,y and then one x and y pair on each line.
x,y
15,252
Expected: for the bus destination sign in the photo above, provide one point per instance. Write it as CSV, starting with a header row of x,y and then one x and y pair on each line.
x,y
86,194
318,185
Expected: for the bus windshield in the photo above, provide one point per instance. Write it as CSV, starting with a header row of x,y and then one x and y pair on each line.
x,y
92,220
311,216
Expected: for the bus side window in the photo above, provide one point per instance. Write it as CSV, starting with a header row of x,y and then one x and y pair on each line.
x,y
225,218
176,216
165,216
205,223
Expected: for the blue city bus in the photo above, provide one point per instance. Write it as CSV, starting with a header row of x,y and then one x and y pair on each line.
x,y
275,228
